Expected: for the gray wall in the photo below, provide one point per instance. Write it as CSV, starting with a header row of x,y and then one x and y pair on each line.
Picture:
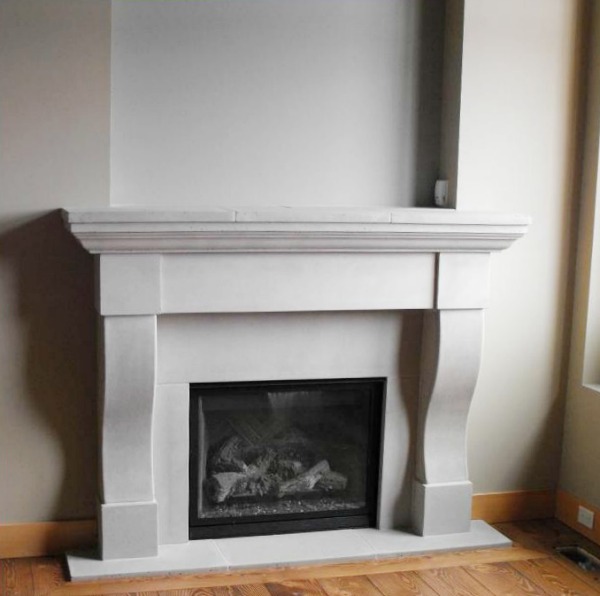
x,y
54,135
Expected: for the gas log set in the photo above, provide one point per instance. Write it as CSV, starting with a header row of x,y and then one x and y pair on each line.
x,y
287,466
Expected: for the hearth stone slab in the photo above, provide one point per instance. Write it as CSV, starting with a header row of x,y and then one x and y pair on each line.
x,y
198,555
283,549
230,554
387,543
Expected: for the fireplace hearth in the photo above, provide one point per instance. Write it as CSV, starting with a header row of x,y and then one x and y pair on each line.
x,y
191,300
277,457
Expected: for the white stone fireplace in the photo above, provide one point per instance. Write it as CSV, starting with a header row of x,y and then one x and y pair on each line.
x,y
229,295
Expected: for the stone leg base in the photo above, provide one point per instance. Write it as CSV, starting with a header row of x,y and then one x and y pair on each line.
x,y
128,530
441,508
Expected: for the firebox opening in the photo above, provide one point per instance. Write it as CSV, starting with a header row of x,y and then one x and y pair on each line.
x,y
273,457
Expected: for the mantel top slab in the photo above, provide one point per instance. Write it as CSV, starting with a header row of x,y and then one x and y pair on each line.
x,y
291,229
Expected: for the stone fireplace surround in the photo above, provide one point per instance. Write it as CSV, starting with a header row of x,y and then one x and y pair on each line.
x,y
277,294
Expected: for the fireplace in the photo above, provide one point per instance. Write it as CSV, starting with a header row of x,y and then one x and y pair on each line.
x,y
190,301
276,457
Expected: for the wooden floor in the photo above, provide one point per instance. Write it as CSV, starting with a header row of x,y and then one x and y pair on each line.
x,y
530,567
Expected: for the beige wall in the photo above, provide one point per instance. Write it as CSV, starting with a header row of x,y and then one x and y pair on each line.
x,y
516,131
580,470
54,74
514,156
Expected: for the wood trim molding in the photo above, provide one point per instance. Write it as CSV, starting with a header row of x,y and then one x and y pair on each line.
x,y
46,538
514,505
566,511
49,538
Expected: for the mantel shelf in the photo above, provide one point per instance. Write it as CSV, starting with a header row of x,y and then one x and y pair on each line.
x,y
280,230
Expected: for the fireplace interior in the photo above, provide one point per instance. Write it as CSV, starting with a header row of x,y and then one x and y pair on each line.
x,y
278,457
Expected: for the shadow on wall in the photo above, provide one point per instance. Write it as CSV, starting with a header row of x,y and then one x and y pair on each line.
x,y
54,277
544,448
409,371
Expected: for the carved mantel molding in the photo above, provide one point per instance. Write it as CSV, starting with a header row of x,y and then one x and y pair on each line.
x,y
122,230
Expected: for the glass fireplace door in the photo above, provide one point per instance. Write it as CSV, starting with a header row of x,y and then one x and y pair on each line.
x,y
274,457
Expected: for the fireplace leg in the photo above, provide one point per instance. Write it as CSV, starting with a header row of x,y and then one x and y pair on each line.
x,y
128,530
128,513
451,352
443,508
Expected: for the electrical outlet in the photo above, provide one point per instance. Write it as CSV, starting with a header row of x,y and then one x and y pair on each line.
x,y
585,517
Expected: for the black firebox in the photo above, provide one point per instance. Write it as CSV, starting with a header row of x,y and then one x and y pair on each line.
x,y
273,457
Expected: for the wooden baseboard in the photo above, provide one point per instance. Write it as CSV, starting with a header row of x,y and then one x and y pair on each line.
x,y
566,511
514,506
51,538
46,538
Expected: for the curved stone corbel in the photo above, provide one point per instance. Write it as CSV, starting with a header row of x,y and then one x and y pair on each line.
x,y
451,354
128,510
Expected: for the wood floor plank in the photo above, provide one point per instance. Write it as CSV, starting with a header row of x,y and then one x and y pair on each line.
x,y
553,578
590,578
453,581
218,591
349,586
188,592
257,590
48,575
16,577
402,584
250,590
296,588
501,578
8,580
245,590
193,592
139,594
